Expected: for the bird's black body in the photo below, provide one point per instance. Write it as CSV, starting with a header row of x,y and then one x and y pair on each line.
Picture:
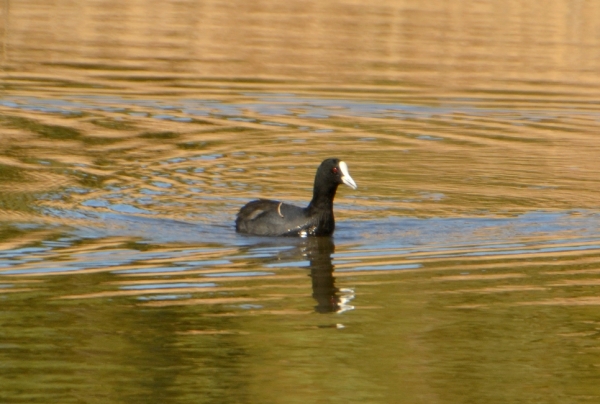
x,y
264,217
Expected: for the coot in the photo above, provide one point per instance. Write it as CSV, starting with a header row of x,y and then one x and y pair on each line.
x,y
265,217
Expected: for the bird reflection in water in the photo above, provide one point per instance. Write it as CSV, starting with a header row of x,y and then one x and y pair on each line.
x,y
329,299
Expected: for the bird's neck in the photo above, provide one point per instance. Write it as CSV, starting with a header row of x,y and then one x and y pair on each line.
x,y
322,199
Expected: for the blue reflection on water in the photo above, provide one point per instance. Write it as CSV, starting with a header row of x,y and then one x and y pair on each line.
x,y
233,274
356,240
272,105
170,286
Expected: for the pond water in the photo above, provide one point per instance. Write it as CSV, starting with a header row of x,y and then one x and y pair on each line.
x,y
464,269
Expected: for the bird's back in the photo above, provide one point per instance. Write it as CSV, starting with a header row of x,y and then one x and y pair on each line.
x,y
272,218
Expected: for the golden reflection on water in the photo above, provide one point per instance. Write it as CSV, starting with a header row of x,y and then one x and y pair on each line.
x,y
460,45
133,131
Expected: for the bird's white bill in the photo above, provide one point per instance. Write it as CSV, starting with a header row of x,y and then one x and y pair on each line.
x,y
346,179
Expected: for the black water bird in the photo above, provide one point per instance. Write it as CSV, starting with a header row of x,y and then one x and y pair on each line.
x,y
265,217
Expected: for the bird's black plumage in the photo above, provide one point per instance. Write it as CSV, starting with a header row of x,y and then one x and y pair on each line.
x,y
264,217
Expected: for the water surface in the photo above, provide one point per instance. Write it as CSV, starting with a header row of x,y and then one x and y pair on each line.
x,y
463,269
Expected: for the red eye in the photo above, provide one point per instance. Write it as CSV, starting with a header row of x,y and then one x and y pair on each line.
x,y
334,170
